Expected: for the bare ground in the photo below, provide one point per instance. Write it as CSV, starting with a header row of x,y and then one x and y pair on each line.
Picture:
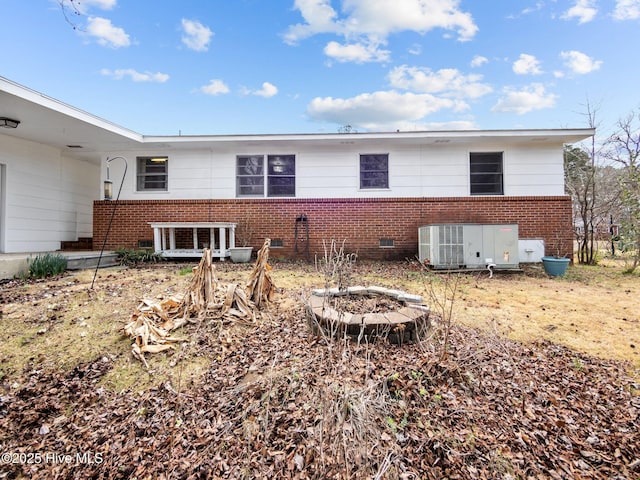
x,y
540,380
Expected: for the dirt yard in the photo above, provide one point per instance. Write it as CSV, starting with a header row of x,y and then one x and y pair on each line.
x,y
539,379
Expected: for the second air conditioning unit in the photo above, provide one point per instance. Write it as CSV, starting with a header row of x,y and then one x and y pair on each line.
x,y
473,246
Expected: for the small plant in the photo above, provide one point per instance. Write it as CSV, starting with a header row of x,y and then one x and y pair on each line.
x,y
442,292
397,426
577,364
243,234
47,265
556,247
337,265
132,257
185,271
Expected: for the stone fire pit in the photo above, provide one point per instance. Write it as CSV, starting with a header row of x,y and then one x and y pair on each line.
x,y
405,318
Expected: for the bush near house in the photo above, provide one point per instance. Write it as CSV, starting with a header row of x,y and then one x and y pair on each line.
x,y
131,257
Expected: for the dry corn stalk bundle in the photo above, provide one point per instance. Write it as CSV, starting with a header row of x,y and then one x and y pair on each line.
x,y
201,291
150,327
152,322
260,286
206,298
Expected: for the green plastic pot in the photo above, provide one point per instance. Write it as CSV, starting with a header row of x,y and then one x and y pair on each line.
x,y
554,266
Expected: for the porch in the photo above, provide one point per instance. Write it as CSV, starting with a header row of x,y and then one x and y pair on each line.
x,y
17,264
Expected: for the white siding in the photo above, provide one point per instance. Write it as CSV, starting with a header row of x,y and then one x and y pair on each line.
x,y
427,171
49,198
534,171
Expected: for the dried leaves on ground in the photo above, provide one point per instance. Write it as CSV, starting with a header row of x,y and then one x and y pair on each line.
x,y
278,402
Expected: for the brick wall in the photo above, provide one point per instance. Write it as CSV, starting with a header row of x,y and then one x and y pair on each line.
x,y
361,222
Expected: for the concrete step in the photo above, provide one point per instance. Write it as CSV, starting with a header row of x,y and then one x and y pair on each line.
x,y
83,261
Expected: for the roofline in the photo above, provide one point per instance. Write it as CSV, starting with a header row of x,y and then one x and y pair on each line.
x,y
582,133
43,100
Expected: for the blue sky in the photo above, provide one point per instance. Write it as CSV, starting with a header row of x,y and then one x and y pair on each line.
x,y
213,67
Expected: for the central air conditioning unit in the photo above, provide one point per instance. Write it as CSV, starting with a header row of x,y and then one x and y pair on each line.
x,y
472,246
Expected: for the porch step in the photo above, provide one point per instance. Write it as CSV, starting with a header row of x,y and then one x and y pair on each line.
x,y
83,243
83,261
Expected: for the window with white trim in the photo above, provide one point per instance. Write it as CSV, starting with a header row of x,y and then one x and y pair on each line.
x,y
374,170
486,173
277,180
152,174
250,176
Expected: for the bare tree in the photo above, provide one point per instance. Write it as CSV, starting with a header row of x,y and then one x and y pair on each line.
x,y
580,182
580,175
624,149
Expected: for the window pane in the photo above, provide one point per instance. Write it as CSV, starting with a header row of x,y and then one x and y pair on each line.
x,y
374,171
282,165
282,186
250,175
281,178
250,165
374,180
151,174
486,177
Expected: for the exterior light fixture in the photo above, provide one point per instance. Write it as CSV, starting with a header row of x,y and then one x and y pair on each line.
x,y
108,188
9,122
108,185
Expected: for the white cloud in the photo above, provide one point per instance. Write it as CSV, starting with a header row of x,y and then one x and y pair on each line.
x,y
370,22
538,6
319,17
533,97
478,61
415,49
379,109
136,76
627,10
579,63
107,34
583,10
101,4
84,6
527,65
196,36
449,82
356,52
527,11
215,87
268,90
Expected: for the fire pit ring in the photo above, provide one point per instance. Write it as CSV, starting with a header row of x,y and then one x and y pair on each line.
x,y
408,323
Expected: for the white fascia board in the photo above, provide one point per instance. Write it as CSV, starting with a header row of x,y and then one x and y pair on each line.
x,y
562,135
45,101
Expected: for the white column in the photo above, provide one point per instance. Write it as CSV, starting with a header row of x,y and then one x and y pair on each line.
x,y
163,239
195,238
223,243
157,241
172,238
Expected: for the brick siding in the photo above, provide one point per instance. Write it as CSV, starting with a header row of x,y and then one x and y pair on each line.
x,y
361,222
